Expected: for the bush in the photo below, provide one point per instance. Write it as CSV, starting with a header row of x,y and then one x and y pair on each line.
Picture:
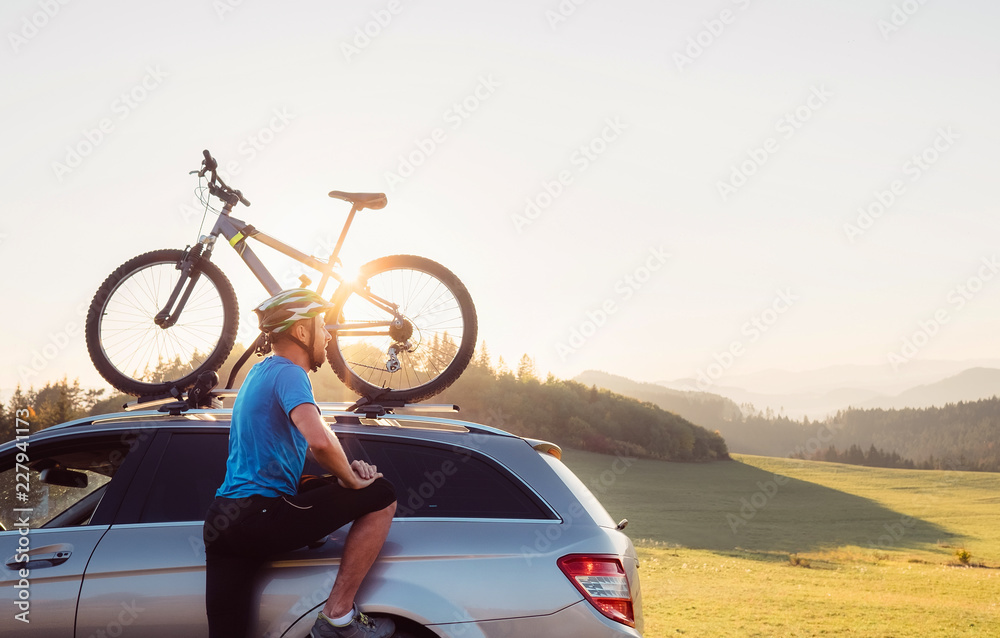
x,y
963,555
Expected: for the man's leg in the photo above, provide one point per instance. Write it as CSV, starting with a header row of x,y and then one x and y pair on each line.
x,y
229,583
230,569
364,542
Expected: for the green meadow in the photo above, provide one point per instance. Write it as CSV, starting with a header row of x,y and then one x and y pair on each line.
x,y
762,546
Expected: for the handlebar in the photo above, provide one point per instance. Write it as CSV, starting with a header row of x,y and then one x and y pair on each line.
x,y
216,186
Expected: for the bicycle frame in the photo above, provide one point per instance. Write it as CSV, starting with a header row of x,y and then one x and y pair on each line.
x,y
236,232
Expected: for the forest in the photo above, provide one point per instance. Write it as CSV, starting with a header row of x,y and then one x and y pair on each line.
x,y
566,413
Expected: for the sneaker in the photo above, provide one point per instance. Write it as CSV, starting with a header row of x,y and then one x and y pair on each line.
x,y
360,627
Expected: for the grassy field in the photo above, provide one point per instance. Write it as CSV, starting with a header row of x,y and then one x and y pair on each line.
x,y
776,547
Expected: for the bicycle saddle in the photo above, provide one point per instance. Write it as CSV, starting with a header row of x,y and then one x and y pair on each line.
x,y
373,201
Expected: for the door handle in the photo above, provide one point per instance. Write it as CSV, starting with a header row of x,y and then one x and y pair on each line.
x,y
52,558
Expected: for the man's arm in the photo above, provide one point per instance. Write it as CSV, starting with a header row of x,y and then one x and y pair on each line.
x,y
328,452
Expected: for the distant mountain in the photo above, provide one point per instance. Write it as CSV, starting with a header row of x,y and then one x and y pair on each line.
x,y
702,408
818,394
968,385
877,378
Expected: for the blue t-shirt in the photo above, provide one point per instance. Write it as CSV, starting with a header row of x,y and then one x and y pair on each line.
x,y
266,451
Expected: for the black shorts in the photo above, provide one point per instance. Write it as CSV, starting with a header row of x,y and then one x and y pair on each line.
x,y
261,525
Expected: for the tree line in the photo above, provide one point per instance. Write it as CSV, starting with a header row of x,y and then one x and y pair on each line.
x,y
956,436
854,455
566,413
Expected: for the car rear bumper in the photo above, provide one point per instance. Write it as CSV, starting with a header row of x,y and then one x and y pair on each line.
x,y
579,620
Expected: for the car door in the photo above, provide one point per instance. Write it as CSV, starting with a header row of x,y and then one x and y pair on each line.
x,y
73,485
147,575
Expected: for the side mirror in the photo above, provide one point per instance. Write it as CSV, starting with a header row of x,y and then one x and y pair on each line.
x,y
63,477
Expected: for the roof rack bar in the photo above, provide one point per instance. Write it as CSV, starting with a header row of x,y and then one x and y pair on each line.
x,y
406,408
150,404
142,403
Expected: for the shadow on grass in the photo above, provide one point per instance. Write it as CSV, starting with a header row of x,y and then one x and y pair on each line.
x,y
731,505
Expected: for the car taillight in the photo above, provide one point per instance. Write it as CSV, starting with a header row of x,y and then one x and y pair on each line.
x,y
602,581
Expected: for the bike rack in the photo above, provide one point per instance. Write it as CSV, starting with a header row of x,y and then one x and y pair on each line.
x,y
203,395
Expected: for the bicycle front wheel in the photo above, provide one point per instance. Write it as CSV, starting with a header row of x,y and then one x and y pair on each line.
x,y
426,349
141,358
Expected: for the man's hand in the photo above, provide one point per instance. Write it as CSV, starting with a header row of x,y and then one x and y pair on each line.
x,y
364,474
327,451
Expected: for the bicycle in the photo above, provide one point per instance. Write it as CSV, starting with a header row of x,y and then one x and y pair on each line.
x,y
403,330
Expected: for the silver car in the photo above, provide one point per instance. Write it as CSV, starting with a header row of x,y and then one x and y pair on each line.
x,y
493,535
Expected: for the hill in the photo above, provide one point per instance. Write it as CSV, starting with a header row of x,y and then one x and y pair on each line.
x,y
963,435
703,408
571,414
968,385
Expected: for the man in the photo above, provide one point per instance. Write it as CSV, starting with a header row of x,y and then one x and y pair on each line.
x,y
259,510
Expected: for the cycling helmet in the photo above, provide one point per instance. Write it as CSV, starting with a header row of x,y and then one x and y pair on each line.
x,y
281,311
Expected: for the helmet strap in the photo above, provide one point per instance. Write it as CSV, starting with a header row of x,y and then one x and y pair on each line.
x,y
310,349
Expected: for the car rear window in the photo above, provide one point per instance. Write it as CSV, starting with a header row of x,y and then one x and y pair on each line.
x,y
447,481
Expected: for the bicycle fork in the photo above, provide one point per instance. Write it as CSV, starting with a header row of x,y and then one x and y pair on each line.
x,y
169,314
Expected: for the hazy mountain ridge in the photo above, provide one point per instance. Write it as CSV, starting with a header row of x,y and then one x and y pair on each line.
x,y
962,433
694,406
969,385
818,394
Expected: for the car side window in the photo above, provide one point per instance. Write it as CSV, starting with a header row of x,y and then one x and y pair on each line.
x,y
447,481
191,469
66,480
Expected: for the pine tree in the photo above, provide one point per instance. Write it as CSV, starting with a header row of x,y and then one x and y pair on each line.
x,y
526,369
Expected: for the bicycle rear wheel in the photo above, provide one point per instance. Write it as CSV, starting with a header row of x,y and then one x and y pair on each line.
x,y
425,352
137,356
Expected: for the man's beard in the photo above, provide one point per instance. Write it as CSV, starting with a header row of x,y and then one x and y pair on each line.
x,y
317,360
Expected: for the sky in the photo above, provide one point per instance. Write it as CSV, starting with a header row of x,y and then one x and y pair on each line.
x,y
659,190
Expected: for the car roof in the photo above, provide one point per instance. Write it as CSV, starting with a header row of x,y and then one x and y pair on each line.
x,y
395,421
